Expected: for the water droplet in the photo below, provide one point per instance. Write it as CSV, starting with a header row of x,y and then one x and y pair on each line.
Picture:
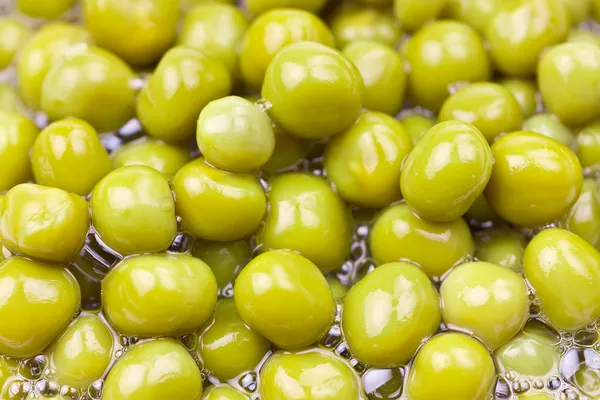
x,y
332,338
95,389
19,390
521,386
189,341
47,388
383,384
342,350
585,338
249,382
502,389
181,243
554,383
358,366
569,394
33,368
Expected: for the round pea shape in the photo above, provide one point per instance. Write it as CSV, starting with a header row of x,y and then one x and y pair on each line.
x,y
48,9
159,294
352,22
583,219
45,223
285,298
315,105
476,13
47,294
525,92
526,166
307,216
446,171
229,347
17,135
549,125
364,162
133,210
501,246
564,270
388,313
223,392
13,35
218,205
66,146
225,259
82,353
467,370
413,14
588,145
162,369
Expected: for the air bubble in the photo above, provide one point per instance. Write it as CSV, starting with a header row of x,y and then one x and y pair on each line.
x,y
181,244
95,389
70,392
33,368
332,338
249,382
358,366
47,389
585,338
554,383
189,341
502,389
569,394
19,390
343,350
383,384
521,386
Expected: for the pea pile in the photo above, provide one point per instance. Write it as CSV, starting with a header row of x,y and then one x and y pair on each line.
x,y
300,200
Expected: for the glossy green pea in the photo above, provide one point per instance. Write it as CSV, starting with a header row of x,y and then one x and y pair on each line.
x,y
82,353
486,299
568,77
184,82
218,205
272,31
519,187
307,216
48,9
163,157
323,99
587,378
524,91
549,125
481,213
223,392
215,29
476,13
364,162
13,35
229,347
399,235
91,84
154,370
583,219
45,223
225,259
258,7
137,31
388,313
489,107
440,54
564,270
501,246
446,171
588,145
382,70
159,294
413,14
66,146
285,298
45,48
578,10
520,30
351,22
133,210
235,135
338,289
17,135
417,126
578,35
288,151
466,372
307,376
9,99
49,295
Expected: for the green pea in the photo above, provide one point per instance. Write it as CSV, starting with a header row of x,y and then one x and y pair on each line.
x,y
481,213
307,376
223,392
351,22
13,35
524,91
489,107
272,31
235,135
159,294
229,347
446,171
225,259
82,353
587,379
17,134
476,13
520,30
184,82
382,70
133,210
564,270
440,54
578,10
284,297
258,7
138,32
399,235
218,205
46,47
537,396
9,99
288,151
466,372
549,125
314,104
45,223
596,10
417,126
162,369
48,9
47,294
567,76
502,246
518,189
338,289
65,146
578,35
413,14
588,145
388,313
163,157
486,299
215,29
583,219
307,216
